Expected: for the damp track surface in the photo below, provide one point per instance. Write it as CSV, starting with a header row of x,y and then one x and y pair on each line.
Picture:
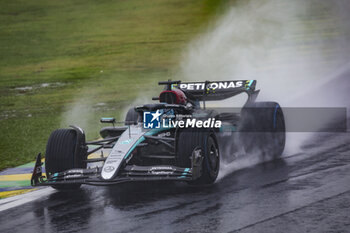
x,y
308,192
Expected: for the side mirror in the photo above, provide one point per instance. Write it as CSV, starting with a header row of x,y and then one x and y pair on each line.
x,y
107,120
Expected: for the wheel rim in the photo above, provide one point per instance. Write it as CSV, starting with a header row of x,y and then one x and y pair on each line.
x,y
213,158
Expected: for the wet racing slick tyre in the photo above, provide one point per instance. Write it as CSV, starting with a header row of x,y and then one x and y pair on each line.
x,y
131,117
191,139
262,129
65,150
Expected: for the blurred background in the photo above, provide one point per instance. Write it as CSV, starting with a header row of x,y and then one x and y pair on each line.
x,y
72,62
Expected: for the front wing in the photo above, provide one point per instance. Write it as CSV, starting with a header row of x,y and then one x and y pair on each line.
x,y
92,176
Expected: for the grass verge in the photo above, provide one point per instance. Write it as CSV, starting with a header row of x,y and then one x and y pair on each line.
x,y
95,56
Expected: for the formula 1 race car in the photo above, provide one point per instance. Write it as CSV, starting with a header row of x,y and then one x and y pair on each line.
x,y
179,138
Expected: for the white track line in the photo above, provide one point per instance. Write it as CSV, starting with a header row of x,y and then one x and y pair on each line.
x,y
18,200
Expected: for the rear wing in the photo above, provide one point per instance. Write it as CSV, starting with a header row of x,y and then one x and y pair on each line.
x,y
217,90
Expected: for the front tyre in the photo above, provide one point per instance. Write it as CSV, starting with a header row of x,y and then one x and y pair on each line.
x,y
191,139
65,150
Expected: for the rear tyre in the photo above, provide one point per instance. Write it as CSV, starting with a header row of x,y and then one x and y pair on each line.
x,y
131,116
188,141
65,150
262,129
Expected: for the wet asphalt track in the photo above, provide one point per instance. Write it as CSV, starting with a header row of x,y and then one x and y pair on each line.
x,y
303,192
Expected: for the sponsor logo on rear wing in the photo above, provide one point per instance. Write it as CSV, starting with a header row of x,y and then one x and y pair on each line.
x,y
216,85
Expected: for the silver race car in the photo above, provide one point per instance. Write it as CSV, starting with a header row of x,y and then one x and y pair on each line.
x,y
178,138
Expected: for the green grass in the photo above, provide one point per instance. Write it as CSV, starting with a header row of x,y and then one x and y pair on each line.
x,y
98,51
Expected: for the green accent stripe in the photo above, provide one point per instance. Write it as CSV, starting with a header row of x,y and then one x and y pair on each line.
x,y
155,131
250,83
141,139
